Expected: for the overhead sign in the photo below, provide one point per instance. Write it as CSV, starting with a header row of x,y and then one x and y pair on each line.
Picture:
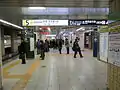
x,y
87,22
45,22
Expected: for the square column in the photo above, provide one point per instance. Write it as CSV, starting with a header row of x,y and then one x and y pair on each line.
x,y
1,71
13,38
2,42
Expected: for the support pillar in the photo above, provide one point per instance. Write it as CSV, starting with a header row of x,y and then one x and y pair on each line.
x,y
2,42
1,71
13,38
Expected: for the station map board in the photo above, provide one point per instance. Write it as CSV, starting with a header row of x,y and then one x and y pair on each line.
x,y
113,67
104,46
114,49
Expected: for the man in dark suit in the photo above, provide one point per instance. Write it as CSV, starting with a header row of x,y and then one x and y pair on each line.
x,y
22,51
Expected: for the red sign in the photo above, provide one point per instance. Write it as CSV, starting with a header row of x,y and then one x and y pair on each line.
x,y
44,28
45,33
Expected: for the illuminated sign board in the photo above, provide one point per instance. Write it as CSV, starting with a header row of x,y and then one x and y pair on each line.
x,y
44,22
87,22
45,33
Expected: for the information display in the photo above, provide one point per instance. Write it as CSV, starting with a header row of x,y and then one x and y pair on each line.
x,y
104,46
87,22
114,49
45,22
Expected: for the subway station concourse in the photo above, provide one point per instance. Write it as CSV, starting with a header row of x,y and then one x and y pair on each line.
x,y
59,45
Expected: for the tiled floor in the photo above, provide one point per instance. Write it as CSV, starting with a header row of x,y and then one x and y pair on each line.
x,y
63,72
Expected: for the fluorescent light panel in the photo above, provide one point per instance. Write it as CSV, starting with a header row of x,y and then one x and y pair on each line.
x,y
37,8
51,35
5,22
82,29
89,30
49,29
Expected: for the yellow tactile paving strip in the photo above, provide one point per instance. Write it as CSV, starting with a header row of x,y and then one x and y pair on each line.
x,y
6,73
21,84
24,78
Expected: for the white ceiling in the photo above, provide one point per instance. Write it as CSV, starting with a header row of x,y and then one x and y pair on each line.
x,y
65,11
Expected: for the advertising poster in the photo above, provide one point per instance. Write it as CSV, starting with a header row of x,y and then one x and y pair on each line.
x,y
103,46
31,44
114,49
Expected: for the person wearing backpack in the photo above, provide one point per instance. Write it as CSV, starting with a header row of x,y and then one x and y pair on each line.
x,y
76,48
67,45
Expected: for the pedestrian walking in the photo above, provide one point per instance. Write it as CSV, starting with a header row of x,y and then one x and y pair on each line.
x,y
67,45
60,43
76,48
42,49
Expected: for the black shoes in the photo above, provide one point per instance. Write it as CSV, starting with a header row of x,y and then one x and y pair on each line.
x,y
74,57
81,57
23,63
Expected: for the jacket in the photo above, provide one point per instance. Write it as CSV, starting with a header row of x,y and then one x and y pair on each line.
x,y
76,46
67,43
22,48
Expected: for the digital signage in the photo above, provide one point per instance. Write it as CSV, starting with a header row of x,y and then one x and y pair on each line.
x,y
87,22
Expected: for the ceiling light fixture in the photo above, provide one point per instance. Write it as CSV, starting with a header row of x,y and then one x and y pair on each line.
x,y
51,35
49,29
89,30
81,29
37,8
8,23
5,41
71,32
